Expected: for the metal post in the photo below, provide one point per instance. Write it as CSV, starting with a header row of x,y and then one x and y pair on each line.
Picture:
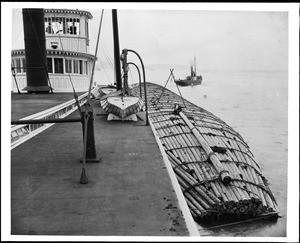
x,y
125,70
83,177
144,77
116,49
90,155
140,82
44,121
14,75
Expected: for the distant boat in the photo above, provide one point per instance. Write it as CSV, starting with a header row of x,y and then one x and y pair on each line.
x,y
191,80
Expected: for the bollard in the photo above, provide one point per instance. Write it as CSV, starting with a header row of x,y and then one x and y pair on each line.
x,y
90,156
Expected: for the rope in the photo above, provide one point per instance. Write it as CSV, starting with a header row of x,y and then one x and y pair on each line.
x,y
104,70
90,87
242,163
131,75
244,153
184,147
178,90
171,75
266,189
157,100
193,186
223,129
107,56
246,189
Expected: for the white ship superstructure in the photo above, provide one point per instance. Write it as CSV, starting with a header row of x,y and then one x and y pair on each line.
x,y
67,51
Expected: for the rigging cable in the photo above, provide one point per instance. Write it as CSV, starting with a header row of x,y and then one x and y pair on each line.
x,y
179,90
171,74
104,71
69,75
108,59
107,52
131,75
90,87
157,100
107,56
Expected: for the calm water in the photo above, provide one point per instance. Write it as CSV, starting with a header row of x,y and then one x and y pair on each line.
x,y
255,104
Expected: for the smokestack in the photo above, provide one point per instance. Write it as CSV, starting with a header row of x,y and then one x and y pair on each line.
x,y
116,49
35,51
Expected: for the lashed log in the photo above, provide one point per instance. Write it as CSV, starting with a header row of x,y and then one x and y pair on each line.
x,y
224,175
179,141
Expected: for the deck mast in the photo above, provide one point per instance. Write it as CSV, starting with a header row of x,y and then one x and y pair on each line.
x,y
195,65
116,49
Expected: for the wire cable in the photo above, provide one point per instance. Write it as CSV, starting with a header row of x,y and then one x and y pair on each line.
x,y
90,87
69,75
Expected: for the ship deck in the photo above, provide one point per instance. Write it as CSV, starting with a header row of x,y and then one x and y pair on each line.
x,y
25,104
148,177
129,193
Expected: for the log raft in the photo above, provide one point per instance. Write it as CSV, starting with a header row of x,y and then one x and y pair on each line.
x,y
214,166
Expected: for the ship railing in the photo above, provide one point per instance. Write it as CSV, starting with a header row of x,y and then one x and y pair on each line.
x,y
22,132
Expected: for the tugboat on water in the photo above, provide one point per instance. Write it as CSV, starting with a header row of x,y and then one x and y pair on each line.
x,y
191,80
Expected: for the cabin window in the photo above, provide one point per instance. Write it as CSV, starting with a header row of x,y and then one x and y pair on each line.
x,y
58,65
24,65
85,67
68,65
18,65
48,26
80,67
13,66
73,26
57,25
61,25
49,65
75,66
65,27
86,29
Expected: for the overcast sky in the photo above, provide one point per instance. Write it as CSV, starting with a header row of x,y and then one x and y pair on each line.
x,y
225,39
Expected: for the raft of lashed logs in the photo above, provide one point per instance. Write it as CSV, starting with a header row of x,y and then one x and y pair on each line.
x,y
202,150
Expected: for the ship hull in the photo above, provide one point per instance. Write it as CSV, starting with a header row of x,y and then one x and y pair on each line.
x,y
186,82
